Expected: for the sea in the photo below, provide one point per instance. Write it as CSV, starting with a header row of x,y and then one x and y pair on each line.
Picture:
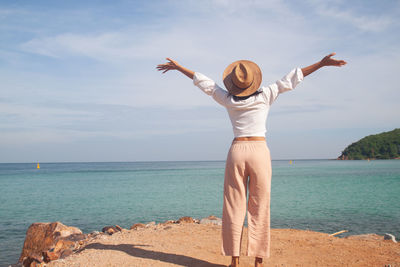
x,y
320,195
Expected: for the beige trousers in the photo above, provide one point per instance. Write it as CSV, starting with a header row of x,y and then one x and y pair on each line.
x,y
248,169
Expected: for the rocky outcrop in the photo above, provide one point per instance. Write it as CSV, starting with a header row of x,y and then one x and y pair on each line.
x,y
45,242
48,241
186,219
168,222
343,157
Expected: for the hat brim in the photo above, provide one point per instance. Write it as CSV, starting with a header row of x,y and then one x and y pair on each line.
x,y
232,88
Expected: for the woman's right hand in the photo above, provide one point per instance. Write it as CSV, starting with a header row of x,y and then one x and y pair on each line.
x,y
171,65
329,61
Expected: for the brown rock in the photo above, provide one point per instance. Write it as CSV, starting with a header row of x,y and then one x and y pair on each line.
x,y
168,222
64,244
76,237
51,255
186,219
41,237
110,229
35,264
119,228
66,253
137,226
32,260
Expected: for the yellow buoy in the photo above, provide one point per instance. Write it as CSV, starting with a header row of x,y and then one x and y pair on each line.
x,y
38,166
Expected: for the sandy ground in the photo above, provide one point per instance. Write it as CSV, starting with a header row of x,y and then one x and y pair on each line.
x,y
199,245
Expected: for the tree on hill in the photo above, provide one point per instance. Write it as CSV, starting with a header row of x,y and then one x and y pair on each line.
x,y
378,146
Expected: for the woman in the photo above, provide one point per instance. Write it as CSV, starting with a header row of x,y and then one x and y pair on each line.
x,y
248,165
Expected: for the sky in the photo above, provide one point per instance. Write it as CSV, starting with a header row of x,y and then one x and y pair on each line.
x,y
78,81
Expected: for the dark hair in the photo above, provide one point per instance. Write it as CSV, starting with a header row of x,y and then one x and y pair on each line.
x,y
238,98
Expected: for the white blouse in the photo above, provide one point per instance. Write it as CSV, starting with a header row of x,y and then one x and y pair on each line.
x,y
249,116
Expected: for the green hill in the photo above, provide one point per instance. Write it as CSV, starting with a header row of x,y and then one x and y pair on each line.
x,y
378,146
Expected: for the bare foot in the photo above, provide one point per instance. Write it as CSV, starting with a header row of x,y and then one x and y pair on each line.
x,y
258,262
235,262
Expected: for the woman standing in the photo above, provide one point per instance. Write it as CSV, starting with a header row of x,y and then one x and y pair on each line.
x,y
248,164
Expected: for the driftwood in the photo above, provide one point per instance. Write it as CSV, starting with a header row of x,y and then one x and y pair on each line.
x,y
340,232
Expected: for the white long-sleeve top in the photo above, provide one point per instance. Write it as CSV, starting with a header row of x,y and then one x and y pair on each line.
x,y
249,116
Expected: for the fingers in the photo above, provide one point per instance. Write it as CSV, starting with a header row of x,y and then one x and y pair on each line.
x,y
172,61
339,63
329,61
170,65
166,66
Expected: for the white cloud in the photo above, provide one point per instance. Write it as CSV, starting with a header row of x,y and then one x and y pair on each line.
x,y
366,23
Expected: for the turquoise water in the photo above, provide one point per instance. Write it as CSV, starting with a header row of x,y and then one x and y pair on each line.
x,y
320,195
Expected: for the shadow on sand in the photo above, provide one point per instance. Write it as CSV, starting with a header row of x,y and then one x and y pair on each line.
x,y
135,251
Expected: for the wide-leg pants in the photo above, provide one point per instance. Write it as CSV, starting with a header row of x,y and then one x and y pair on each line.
x,y
248,169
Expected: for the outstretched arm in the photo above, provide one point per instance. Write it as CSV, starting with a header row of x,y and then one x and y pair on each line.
x,y
173,65
326,61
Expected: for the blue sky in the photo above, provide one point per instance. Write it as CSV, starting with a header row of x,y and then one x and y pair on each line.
x,y
78,78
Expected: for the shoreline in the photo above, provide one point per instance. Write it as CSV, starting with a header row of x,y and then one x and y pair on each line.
x,y
189,242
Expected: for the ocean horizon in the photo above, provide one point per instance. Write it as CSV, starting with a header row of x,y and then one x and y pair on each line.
x,y
324,195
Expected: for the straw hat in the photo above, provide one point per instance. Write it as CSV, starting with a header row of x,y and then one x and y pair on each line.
x,y
242,78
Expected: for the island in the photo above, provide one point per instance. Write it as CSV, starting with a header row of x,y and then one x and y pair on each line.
x,y
385,145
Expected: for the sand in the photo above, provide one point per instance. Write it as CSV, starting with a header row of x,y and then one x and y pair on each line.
x,y
199,245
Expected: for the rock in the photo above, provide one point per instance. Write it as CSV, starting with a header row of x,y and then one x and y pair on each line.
x,y
110,230
389,237
76,237
51,255
94,234
137,226
63,245
186,219
167,227
168,222
32,260
41,237
66,253
150,224
211,220
119,228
